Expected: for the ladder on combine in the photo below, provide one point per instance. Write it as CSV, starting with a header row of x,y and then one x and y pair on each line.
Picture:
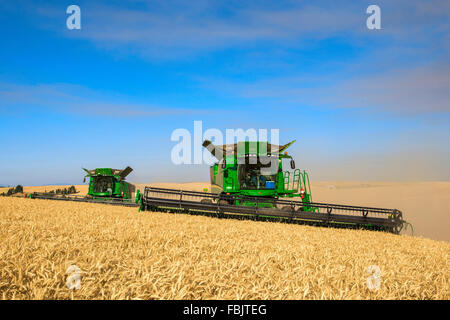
x,y
298,184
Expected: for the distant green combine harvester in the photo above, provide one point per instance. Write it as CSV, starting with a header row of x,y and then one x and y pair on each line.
x,y
110,183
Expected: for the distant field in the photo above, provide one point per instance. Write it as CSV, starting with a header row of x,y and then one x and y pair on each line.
x,y
83,189
123,254
425,204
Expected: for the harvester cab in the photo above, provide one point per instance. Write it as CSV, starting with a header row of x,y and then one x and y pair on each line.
x,y
110,183
256,169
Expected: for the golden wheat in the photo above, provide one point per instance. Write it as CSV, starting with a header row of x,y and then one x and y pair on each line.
x,y
124,254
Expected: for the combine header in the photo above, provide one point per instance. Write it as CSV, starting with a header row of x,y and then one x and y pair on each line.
x,y
249,181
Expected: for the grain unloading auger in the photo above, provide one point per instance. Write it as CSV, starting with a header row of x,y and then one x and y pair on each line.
x,y
248,181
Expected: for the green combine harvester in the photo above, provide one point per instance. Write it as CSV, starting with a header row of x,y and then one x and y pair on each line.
x,y
106,185
255,169
250,181
109,183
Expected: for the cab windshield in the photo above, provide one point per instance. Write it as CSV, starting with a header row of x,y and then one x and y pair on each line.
x,y
103,185
259,175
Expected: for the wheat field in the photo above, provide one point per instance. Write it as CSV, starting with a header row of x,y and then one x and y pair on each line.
x,y
124,254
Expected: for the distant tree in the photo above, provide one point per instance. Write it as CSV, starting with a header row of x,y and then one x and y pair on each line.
x,y
18,189
52,191
72,189
10,191
58,191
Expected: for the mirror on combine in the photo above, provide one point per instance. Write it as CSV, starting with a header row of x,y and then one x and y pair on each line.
x,y
292,164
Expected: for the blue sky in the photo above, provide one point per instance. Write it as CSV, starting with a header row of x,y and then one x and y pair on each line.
x,y
362,104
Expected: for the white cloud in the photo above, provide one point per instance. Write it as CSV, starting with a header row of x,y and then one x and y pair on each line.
x,y
176,29
408,91
75,99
